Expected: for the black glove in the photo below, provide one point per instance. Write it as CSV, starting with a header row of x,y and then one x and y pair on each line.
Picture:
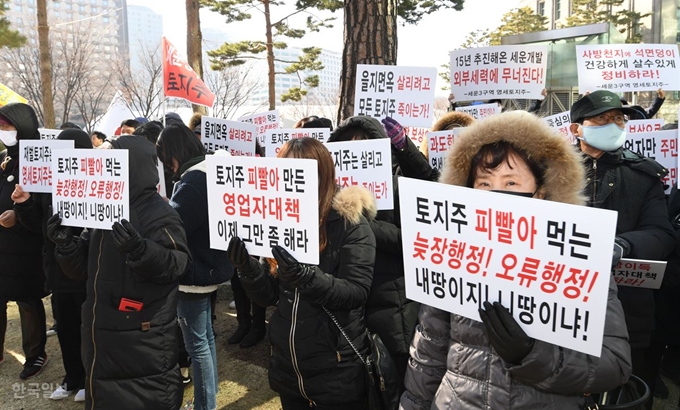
x,y
621,250
504,333
62,236
239,257
128,240
291,271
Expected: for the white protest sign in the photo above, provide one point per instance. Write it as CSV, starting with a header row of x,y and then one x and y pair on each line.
x,y
498,72
403,93
438,144
561,123
35,157
639,273
49,134
90,188
481,110
637,126
161,181
661,146
417,134
275,139
628,67
235,137
265,202
548,263
366,163
263,121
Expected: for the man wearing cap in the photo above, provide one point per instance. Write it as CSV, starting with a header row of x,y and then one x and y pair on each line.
x,y
21,272
620,180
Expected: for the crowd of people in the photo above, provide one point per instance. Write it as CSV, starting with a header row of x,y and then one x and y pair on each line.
x,y
135,305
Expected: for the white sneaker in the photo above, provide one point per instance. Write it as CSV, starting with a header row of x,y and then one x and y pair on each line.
x,y
80,396
61,393
232,305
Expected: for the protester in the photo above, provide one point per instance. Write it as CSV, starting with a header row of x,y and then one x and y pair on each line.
x,y
21,277
33,211
623,181
388,312
250,316
184,154
173,118
640,113
312,366
195,124
69,125
129,317
448,121
97,138
458,362
314,122
149,130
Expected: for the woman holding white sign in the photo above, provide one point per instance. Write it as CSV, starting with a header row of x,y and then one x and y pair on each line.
x,y
458,362
312,365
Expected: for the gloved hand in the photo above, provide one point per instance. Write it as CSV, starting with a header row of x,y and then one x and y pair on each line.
x,y
291,271
239,257
504,333
62,236
395,131
128,240
621,250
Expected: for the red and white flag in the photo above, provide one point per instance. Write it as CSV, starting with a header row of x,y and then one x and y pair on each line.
x,y
181,81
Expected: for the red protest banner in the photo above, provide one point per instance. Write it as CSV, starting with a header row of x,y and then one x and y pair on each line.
x,y
180,80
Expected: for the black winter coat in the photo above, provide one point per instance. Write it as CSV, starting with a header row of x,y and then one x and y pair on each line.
x,y
131,357
631,185
21,275
323,369
388,312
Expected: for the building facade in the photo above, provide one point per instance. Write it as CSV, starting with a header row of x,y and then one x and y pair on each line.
x,y
144,32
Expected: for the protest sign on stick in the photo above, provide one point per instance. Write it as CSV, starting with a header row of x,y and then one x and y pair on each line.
x,y
439,143
90,188
235,137
276,138
480,111
484,73
403,93
661,146
548,263
263,121
366,163
35,158
265,202
48,133
638,273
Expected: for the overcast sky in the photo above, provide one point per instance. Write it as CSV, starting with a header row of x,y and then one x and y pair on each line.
x,y
425,45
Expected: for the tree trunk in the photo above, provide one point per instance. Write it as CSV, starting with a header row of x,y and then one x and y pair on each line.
x,y
271,71
45,65
370,38
195,44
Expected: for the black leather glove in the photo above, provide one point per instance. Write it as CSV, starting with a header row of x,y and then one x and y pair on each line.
x,y
239,257
62,236
621,250
504,333
128,240
290,270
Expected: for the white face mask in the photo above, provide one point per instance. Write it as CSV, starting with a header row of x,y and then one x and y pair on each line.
x,y
8,138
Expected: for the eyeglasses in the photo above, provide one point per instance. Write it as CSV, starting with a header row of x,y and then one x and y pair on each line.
x,y
604,119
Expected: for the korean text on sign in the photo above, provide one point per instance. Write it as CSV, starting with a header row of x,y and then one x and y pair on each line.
x,y
549,263
403,93
365,163
276,138
417,134
263,121
498,72
661,146
35,160
480,111
639,273
628,67
48,134
561,123
90,188
265,202
235,137
637,126
439,143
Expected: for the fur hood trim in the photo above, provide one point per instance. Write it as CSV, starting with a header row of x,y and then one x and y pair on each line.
x,y
564,171
354,201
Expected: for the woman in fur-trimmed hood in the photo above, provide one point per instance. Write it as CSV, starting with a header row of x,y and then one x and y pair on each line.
x,y
312,365
458,362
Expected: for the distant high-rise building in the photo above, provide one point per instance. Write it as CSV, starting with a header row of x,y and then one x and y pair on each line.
x,y
144,30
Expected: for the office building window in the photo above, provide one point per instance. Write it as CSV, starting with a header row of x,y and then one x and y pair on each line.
x,y
558,9
541,8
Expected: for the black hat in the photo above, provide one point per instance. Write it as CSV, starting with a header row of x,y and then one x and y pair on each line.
x,y
596,103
